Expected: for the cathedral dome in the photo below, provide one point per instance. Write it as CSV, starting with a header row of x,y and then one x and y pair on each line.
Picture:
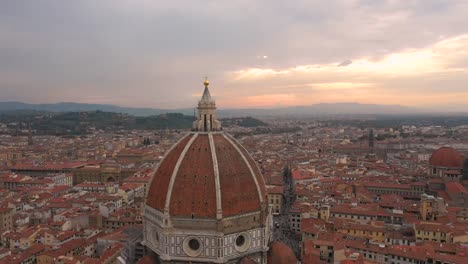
x,y
207,175
206,202
446,157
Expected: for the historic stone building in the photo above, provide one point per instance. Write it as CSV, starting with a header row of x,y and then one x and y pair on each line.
x,y
207,201
109,171
446,163
446,166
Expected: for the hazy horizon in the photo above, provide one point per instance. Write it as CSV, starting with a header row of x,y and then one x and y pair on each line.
x,y
351,108
261,54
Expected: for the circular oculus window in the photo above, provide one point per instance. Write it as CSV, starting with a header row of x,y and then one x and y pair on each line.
x,y
242,242
192,246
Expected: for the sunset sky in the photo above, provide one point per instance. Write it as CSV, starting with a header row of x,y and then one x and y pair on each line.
x,y
151,53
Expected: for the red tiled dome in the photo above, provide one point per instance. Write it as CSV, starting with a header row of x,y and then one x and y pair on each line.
x,y
446,157
280,253
205,174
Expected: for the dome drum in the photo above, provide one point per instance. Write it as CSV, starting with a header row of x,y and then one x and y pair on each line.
x,y
212,247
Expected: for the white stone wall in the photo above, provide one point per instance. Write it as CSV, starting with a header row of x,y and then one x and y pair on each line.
x,y
173,244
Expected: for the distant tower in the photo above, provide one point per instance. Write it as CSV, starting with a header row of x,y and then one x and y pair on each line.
x,y
371,138
206,119
30,138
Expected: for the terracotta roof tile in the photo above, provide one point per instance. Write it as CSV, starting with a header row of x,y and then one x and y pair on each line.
x,y
194,188
280,253
160,182
239,192
446,157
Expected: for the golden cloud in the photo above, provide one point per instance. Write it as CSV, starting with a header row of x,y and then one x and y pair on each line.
x,y
440,57
423,75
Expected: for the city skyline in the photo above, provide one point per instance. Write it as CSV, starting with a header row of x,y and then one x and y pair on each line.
x,y
236,132
262,54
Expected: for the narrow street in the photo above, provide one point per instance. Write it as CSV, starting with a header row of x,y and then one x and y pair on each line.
x,y
282,230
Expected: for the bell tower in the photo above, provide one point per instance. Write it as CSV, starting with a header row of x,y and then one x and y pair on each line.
x,y
206,118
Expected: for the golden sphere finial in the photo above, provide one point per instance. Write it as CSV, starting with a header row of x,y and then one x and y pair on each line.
x,y
206,82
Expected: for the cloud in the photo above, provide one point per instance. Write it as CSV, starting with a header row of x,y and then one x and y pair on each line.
x,y
272,99
345,63
340,85
438,70
155,53
444,56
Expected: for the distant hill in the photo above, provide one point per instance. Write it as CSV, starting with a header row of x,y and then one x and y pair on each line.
x,y
325,109
243,122
312,110
79,107
76,123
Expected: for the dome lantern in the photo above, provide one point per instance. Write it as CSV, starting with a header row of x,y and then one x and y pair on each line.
x,y
206,118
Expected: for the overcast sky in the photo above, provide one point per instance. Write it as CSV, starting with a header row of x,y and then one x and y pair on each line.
x,y
151,53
